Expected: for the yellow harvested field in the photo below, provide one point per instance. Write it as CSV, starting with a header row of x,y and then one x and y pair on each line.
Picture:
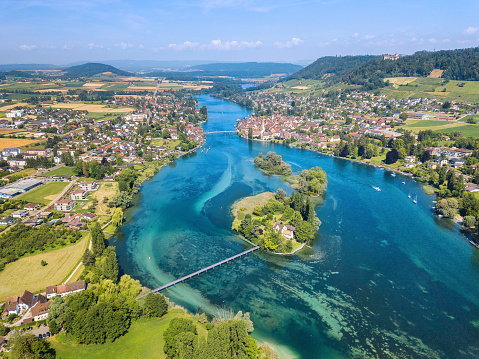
x,y
93,84
6,131
8,107
134,88
137,78
197,87
91,107
14,142
52,90
436,73
126,96
400,80
301,87
28,274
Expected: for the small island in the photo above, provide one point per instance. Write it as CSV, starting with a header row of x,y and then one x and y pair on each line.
x,y
272,164
278,223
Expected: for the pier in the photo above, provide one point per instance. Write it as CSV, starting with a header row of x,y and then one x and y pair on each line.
x,y
197,273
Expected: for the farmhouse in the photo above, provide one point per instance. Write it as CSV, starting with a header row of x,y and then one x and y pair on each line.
x,y
41,311
65,289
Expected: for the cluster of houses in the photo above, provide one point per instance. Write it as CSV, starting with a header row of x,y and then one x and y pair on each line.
x,y
35,307
312,132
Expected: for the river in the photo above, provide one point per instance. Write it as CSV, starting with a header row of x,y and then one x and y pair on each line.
x,y
385,278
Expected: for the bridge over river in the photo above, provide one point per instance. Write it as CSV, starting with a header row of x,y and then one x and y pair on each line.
x,y
201,271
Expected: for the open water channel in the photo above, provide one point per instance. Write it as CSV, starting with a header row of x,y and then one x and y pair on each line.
x,y
385,279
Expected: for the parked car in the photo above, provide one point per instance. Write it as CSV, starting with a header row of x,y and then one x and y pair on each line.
x,y
48,334
44,335
39,336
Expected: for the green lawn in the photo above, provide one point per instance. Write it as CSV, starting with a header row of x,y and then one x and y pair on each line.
x,y
466,130
143,340
59,171
44,194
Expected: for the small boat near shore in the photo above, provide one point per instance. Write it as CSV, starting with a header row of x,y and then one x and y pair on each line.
x,y
414,200
474,244
393,174
377,188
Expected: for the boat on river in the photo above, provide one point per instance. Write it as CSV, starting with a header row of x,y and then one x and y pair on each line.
x,y
377,188
415,200
393,174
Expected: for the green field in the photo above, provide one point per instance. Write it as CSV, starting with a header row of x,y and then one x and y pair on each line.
x,y
466,130
59,171
45,194
429,123
143,340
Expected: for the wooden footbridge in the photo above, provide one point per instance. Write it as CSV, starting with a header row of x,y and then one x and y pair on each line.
x,y
200,272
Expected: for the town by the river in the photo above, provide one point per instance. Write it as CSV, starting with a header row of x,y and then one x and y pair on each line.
x,y
386,278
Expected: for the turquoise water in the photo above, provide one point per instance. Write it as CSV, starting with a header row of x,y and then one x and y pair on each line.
x,y
385,278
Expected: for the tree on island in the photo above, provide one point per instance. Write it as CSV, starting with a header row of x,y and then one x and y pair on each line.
x,y
272,164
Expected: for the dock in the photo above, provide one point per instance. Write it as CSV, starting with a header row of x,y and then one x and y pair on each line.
x,y
201,271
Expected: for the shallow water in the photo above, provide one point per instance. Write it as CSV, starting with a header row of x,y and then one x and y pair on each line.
x,y
385,279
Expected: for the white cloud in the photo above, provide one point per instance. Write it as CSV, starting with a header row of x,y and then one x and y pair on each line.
x,y
92,45
295,41
184,46
471,30
356,35
124,45
233,45
216,45
27,47
141,46
67,47
369,37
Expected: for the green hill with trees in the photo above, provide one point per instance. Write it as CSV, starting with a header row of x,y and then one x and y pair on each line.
x,y
460,64
331,68
92,69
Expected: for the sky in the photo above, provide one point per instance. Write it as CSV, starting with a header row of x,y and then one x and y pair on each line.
x,y
67,31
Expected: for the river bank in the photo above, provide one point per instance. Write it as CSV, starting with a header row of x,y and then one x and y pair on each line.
x,y
308,306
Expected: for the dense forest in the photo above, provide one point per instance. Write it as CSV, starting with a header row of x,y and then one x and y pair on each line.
x,y
331,68
461,64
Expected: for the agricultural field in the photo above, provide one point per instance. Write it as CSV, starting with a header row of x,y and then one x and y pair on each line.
x,y
432,87
44,194
15,142
80,106
144,339
27,272
466,130
420,125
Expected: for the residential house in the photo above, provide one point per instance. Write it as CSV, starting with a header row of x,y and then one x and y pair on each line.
x,y
65,205
286,230
88,185
20,213
31,206
6,221
79,195
41,311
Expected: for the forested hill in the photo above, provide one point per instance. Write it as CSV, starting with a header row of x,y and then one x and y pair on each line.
x,y
462,64
331,68
5,74
91,69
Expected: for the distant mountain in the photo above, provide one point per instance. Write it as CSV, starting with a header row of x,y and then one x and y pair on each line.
x,y
28,67
331,68
234,69
92,69
248,69
460,64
